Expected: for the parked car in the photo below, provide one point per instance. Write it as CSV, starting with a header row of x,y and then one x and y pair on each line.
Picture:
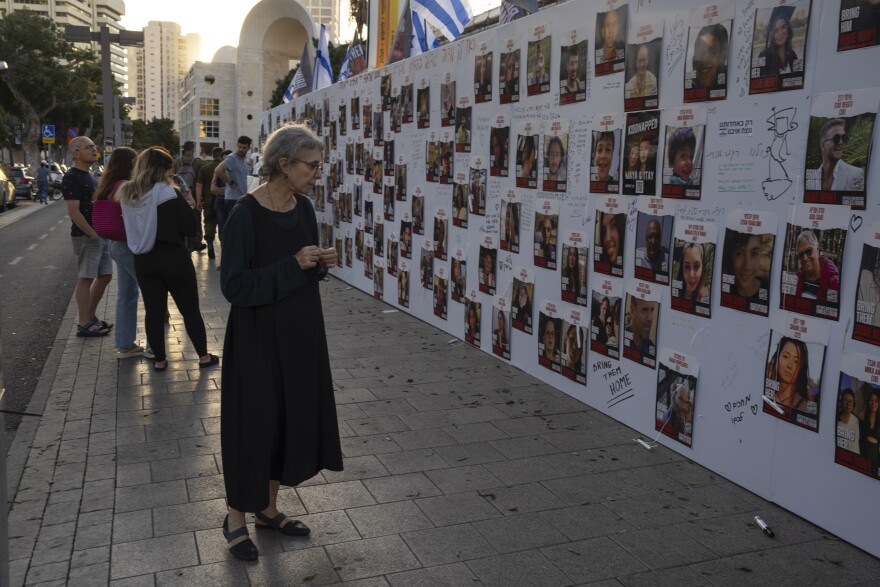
x,y
7,192
25,185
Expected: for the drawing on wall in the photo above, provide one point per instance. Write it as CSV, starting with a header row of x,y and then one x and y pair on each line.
x,y
778,181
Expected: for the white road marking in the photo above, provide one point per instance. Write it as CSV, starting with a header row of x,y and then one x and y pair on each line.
x,y
42,236
16,260
52,227
32,247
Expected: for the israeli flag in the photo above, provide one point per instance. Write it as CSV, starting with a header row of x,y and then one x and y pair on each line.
x,y
423,36
343,71
323,76
447,16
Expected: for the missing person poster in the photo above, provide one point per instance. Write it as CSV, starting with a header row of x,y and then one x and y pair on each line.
x,y
499,147
839,147
388,156
677,378
418,211
556,146
609,235
463,126
368,257
546,234
441,289
573,68
653,250
403,284
527,155
423,112
605,317
447,158
812,258
508,71
379,278
521,304
793,373
441,234
501,327
779,44
705,69
610,47
644,50
359,242
510,221
460,200
643,133
605,154
426,265
447,100
483,72
857,422
477,185
641,320
574,268
574,346
859,24
693,265
400,179
385,91
406,100
746,261
867,307
538,60
488,265
355,111
393,255
432,159
368,118
459,274
549,336
472,313
683,155
406,233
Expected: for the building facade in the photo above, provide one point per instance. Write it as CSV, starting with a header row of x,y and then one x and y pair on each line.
x,y
207,106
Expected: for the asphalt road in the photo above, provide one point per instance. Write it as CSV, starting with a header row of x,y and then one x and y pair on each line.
x,y
37,275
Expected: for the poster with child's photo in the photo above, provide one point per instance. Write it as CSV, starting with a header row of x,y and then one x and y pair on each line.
x,y
683,155
605,318
677,378
857,421
521,301
609,235
605,154
693,265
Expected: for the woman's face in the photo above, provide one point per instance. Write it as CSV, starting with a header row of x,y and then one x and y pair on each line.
x,y
549,339
789,363
780,32
572,257
472,321
487,264
707,58
611,242
456,270
692,268
602,158
746,262
644,151
571,344
406,236
523,296
873,403
603,309
683,163
300,175
634,153
500,322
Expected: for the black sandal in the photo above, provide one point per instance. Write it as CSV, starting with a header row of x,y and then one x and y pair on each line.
x,y
245,550
213,360
294,528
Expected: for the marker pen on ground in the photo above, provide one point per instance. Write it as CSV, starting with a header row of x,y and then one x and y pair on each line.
x,y
763,526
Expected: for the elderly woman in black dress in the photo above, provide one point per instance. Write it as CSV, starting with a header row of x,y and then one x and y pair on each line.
x,y
278,419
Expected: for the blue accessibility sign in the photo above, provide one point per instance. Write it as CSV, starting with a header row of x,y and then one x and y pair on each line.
x,y
49,133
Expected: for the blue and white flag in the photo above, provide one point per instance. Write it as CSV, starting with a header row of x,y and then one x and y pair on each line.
x,y
323,77
423,39
301,84
514,9
447,16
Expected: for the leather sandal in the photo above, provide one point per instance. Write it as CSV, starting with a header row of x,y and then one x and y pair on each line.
x,y
292,528
212,360
91,329
245,550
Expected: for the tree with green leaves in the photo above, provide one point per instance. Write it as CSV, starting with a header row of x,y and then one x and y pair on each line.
x,y
337,56
158,132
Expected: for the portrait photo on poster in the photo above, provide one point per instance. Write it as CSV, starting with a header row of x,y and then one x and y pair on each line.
x,y
640,153
693,265
605,157
653,250
441,297
677,376
501,329
400,182
499,149
746,261
426,268
403,285
779,44
406,102
573,357
641,322
447,162
573,72
378,282
521,304
483,75
393,257
432,161
477,190
423,113
538,60
556,145
609,236
406,233
683,153
857,420
463,130
527,156
472,314
385,91
460,205
510,221
866,326
549,338
458,276
508,74
610,37
642,71
447,102
573,277
441,235
546,235
605,318
418,212
487,268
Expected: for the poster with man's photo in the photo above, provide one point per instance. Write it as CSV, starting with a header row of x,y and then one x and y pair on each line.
x,y
447,101
508,71
342,117
359,242
573,68
510,221
556,145
385,91
653,250
527,154
644,54
418,212
432,160
368,216
367,118
812,260
609,235
793,371
379,279
521,300
605,317
426,266
368,256
487,268
447,158
859,24
550,336
400,179
406,100
610,45
441,289
458,274
607,139
406,237
538,61
575,248
403,279
483,73
501,327
867,304
683,155
642,137
393,249
546,243
499,147
473,310
573,357
641,319
441,234
460,200
463,126
746,261
378,128
779,44
708,51
677,377
477,186
857,421
423,110
839,147
693,265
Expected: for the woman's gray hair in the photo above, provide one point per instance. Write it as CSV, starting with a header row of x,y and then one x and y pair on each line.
x,y
287,142
808,237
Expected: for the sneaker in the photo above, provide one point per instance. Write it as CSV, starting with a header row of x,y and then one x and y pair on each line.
x,y
148,353
134,351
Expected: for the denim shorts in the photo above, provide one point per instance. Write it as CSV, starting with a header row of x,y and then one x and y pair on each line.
x,y
92,256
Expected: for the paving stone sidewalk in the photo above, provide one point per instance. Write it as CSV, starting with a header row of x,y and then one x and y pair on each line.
x,y
459,470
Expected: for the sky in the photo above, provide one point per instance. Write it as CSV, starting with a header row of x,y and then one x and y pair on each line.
x,y
216,27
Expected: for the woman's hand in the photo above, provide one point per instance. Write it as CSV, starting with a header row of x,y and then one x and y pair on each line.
x,y
308,257
328,257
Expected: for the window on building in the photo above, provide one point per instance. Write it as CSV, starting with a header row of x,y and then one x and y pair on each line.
x,y
209,129
209,107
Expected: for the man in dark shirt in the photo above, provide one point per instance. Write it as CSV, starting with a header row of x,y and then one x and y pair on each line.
x,y
205,196
95,269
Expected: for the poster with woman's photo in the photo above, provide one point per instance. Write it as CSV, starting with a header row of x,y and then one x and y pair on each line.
x,y
644,52
447,158
538,60
423,112
550,336
867,303
653,250
705,69
483,73
359,242
746,261
605,318
555,173
508,71
393,249
473,311
510,221
348,251
812,260
460,200
403,284
385,91
573,68
527,155
693,265
463,126
378,279
499,147
406,100
605,154
839,147
406,237
521,300
418,212
368,256
677,378
857,423
379,238
859,24
641,319
683,155
441,234
378,128
488,265
573,357
477,187
574,268
642,137
367,118
546,243
400,179
501,327
388,203
368,216
441,292
610,47
447,101
793,371
432,160
458,274
779,44
609,235
426,266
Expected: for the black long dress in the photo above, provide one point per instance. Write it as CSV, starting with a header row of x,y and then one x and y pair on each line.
x,y
278,413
